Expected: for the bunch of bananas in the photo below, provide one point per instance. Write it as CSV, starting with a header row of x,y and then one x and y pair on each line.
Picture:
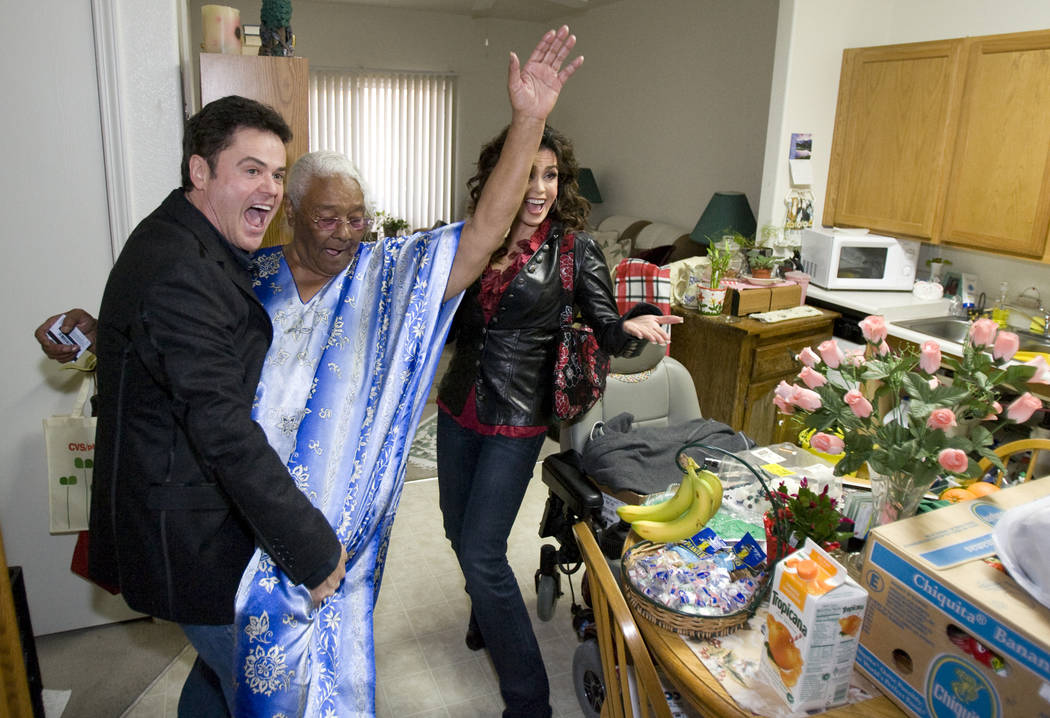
x,y
694,503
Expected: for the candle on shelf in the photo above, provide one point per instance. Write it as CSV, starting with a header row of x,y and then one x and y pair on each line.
x,y
221,29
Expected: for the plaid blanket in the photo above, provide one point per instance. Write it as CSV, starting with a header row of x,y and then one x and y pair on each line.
x,y
639,281
636,280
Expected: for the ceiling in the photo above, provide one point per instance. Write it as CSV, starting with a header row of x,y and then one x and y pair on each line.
x,y
531,10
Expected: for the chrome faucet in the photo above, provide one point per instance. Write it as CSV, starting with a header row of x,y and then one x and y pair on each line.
x,y
1031,303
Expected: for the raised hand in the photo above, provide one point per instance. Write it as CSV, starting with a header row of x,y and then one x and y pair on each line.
x,y
534,88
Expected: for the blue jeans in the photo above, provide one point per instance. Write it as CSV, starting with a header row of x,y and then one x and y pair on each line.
x,y
208,690
481,482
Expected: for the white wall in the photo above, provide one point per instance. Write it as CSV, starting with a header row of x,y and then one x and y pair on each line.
x,y
57,245
672,103
810,39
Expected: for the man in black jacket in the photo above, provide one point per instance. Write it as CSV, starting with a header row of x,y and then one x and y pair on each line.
x,y
185,481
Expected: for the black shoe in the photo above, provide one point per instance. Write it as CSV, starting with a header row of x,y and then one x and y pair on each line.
x,y
474,640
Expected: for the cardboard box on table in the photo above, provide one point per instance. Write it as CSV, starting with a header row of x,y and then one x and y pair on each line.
x,y
934,571
741,302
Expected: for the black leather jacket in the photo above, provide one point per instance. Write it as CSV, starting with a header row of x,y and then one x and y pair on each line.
x,y
186,484
510,361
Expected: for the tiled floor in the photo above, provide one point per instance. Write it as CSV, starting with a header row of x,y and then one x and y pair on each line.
x,y
424,668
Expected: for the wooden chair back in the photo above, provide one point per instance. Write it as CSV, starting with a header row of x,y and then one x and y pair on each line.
x,y
1007,450
621,645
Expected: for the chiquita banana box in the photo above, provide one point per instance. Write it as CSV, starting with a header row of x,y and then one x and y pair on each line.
x,y
812,630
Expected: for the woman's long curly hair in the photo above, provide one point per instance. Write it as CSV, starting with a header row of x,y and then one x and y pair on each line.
x,y
571,209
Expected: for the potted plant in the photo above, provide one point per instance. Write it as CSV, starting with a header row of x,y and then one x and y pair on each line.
x,y
392,226
807,514
762,264
936,265
713,297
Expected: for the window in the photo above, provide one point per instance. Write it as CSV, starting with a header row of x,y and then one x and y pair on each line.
x,y
397,128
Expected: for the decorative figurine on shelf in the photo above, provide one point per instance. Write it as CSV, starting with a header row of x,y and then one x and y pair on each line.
x,y
276,30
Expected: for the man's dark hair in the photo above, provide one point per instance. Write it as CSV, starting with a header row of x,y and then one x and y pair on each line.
x,y
211,130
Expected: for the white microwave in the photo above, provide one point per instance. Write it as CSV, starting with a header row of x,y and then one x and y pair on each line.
x,y
853,259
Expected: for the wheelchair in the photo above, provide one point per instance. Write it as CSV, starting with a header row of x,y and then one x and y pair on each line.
x,y
658,391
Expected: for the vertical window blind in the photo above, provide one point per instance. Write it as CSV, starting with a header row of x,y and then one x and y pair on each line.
x,y
397,128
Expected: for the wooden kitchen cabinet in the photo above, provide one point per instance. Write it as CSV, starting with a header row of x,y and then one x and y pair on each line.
x,y
736,363
999,189
893,133
947,142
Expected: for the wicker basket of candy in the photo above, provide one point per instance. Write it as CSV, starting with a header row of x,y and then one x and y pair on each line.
x,y
703,586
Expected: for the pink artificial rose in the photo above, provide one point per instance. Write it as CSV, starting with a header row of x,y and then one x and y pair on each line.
x,y
1006,345
784,390
860,406
783,405
830,353
827,443
933,382
1023,407
873,328
953,460
883,349
806,400
812,378
930,358
809,357
1042,371
983,332
942,419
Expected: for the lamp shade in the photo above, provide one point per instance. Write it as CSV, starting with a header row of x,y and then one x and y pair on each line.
x,y
588,187
726,211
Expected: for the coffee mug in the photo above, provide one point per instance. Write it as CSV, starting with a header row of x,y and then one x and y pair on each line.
x,y
691,295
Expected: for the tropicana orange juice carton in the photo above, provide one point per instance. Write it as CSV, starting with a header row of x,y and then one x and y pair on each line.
x,y
812,630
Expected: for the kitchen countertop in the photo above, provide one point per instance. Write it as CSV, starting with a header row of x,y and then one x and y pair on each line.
x,y
895,306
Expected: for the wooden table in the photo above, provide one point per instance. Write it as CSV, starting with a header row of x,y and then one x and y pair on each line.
x,y
706,694
703,691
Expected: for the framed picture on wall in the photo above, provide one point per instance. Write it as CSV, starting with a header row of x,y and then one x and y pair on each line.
x,y
952,284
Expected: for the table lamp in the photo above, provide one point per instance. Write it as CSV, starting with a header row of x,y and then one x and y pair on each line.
x,y
726,212
588,186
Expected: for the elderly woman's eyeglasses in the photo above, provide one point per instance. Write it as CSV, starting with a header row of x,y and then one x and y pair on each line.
x,y
330,224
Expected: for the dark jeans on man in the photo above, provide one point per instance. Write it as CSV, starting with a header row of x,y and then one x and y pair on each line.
x,y
208,690
482,481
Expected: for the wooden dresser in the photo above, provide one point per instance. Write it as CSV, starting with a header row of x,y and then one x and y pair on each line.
x,y
737,362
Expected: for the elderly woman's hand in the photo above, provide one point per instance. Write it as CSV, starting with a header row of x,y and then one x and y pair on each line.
x,y
534,88
650,327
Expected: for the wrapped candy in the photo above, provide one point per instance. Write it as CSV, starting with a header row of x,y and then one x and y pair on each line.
x,y
675,577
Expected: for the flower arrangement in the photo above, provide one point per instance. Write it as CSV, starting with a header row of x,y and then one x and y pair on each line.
x,y
895,412
807,514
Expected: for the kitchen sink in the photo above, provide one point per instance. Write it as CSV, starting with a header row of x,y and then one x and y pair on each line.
x,y
949,329
956,330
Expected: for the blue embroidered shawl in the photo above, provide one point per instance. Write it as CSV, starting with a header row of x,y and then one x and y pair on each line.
x,y
340,398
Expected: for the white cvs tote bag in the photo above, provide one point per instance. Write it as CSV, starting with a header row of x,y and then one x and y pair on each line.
x,y
70,443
